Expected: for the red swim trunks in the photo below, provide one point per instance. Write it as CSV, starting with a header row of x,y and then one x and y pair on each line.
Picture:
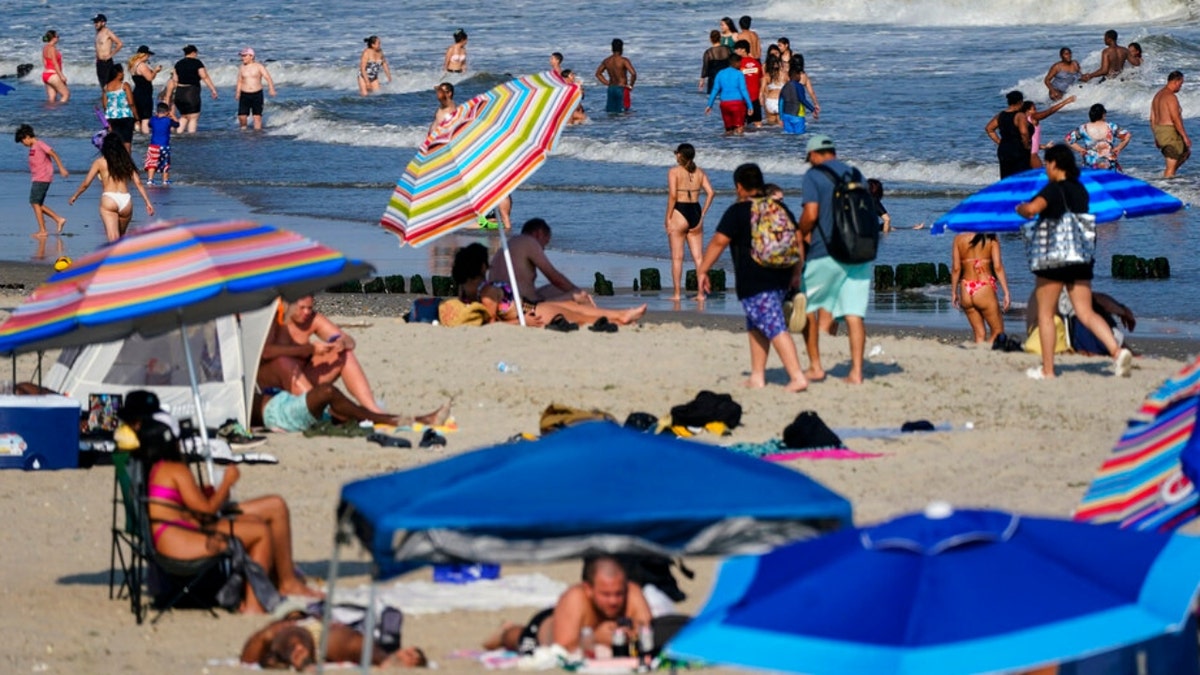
x,y
733,113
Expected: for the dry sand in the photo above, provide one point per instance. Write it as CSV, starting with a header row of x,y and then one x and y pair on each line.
x,y
1034,448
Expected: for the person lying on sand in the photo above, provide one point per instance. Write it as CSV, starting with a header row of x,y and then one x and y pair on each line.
x,y
605,601
285,411
469,271
292,643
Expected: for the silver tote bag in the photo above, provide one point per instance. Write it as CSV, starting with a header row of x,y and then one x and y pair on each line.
x,y
1060,242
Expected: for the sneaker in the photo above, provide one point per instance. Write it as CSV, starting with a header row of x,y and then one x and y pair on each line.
x,y
233,433
149,183
166,182
1035,373
1123,364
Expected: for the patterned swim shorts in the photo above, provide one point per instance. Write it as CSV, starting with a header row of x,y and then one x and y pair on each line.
x,y
764,313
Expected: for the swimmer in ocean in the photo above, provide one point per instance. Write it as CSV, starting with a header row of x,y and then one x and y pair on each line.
x,y
1112,59
370,64
1062,75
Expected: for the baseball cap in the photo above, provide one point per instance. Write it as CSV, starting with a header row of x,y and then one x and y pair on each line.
x,y
139,404
145,50
819,143
246,51
99,18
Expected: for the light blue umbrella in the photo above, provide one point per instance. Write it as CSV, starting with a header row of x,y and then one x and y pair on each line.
x,y
1112,194
948,592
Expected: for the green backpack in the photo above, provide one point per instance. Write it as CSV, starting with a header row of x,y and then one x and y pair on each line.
x,y
774,239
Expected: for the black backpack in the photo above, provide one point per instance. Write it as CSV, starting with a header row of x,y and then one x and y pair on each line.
x,y
855,236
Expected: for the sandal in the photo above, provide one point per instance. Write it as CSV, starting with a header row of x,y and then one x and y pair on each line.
x,y
559,323
432,438
389,441
603,325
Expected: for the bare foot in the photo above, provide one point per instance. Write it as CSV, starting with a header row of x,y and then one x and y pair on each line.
x,y
796,386
631,315
297,587
755,382
814,374
41,234
61,222
437,417
853,378
251,607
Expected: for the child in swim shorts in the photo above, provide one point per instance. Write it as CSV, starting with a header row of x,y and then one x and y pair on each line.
x,y
158,153
41,169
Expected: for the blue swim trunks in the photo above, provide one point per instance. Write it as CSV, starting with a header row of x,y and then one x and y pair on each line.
x,y
764,313
287,412
838,288
793,124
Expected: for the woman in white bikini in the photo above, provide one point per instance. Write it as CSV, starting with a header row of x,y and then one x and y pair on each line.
x,y
370,64
52,69
115,168
773,84
456,54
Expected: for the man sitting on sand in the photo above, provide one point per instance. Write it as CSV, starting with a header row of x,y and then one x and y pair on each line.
x,y
605,601
284,411
292,643
528,257
304,349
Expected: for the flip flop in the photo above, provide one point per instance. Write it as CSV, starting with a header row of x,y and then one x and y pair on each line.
x,y
603,325
431,439
389,441
559,323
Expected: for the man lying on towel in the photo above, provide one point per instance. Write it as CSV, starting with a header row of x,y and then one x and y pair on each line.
x,y
292,643
284,411
605,601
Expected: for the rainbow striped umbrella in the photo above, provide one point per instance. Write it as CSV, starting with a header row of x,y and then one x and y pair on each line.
x,y
473,160
171,273
1144,485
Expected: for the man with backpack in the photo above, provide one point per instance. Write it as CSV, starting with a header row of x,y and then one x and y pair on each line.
x,y
762,237
840,222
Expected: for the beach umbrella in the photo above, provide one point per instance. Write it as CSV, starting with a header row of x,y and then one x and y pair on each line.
x,y
470,162
1146,484
168,275
945,592
1112,194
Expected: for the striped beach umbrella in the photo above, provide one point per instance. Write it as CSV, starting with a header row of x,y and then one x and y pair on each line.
x,y
1144,485
1112,194
473,160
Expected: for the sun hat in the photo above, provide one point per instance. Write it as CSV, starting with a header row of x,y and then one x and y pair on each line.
x,y
819,143
246,51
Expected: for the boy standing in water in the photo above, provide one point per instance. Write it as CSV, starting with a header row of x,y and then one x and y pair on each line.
x,y
41,170
249,91
158,153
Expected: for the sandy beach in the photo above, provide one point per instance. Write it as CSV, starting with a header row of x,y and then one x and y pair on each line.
x,y
1033,448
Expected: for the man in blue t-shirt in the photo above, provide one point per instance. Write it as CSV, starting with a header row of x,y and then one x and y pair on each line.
x,y
834,289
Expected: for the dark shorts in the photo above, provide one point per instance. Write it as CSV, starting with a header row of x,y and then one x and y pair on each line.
x,y
529,636
755,112
123,127
104,71
250,103
37,192
1081,272
187,99
143,102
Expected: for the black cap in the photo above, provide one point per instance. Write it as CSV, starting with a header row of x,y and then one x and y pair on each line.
x,y
145,50
139,404
99,18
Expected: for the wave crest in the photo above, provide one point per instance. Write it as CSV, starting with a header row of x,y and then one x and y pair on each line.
x,y
975,13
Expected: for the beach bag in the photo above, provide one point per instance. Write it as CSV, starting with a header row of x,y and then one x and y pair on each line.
x,y
1051,243
705,408
855,235
809,432
1062,340
424,310
774,239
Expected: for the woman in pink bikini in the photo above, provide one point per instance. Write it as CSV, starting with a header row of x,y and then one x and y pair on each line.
x,y
52,69
976,263
181,514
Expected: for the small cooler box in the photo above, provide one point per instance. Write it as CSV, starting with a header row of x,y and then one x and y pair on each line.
x,y
465,573
39,432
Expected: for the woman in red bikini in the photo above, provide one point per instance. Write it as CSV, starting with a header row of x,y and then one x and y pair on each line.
x,y
52,69
180,513
976,263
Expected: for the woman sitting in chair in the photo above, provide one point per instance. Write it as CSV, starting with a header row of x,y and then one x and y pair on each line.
x,y
183,518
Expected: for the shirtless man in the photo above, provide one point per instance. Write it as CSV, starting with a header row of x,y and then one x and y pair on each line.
x,y
1166,121
307,349
292,643
446,105
249,90
107,45
605,601
617,73
1112,59
749,36
528,257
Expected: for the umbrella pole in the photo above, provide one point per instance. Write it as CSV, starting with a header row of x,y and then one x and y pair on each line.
x,y
369,631
187,355
511,276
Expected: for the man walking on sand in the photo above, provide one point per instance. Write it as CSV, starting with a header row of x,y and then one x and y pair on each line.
x,y
839,289
1166,121
107,45
249,90
617,73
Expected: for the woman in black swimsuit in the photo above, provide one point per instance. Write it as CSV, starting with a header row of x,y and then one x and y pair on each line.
x,y
685,216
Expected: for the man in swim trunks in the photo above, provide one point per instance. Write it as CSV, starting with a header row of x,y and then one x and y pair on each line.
x,y
528,258
107,45
617,73
249,91
1166,121
605,601
1112,59
287,412
292,643
304,349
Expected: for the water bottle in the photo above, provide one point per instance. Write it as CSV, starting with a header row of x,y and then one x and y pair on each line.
x,y
587,642
645,644
506,367
620,643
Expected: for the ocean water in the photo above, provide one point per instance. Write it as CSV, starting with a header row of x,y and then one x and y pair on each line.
x,y
906,87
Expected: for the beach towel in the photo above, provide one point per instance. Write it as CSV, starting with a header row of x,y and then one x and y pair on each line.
x,y
556,417
454,312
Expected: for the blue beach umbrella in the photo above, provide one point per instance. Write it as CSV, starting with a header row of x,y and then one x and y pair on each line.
x,y
1113,195
947,592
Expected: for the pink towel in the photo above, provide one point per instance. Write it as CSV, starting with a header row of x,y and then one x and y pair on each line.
x,y
836,453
